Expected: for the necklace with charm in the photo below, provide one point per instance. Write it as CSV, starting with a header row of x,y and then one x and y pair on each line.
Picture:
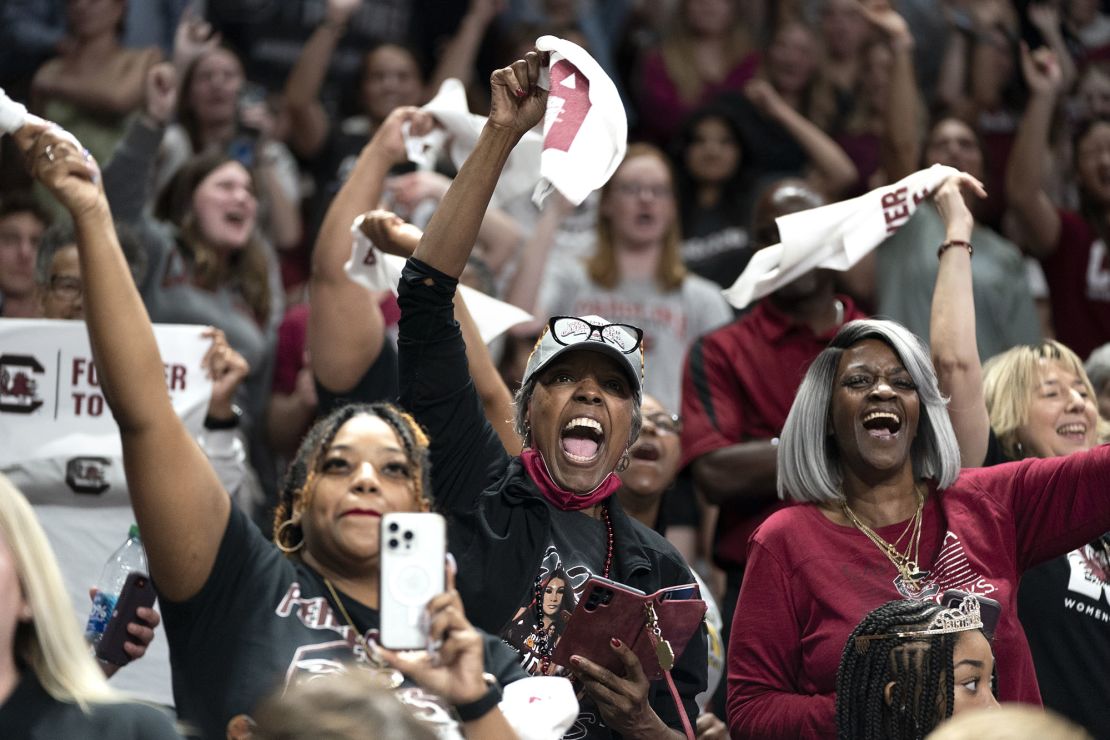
x,y
391,678
905,561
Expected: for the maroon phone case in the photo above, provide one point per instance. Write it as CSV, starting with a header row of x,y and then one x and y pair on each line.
x,y
624,617
137,591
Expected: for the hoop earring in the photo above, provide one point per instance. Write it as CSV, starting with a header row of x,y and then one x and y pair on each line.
x,y
285,548
624,462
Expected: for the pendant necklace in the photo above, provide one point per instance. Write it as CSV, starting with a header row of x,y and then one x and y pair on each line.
x,y
905,562
391,678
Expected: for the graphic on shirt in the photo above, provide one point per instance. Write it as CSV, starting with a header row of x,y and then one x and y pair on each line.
x,y
570,97
18,389
1090,579
332,656
1098,272
951,569
535,629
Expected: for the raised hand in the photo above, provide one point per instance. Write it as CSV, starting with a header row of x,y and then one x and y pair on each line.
x,y
411,188
390,233
1042,70
764,96
883,16
518,102
953,208
193,38
160,93
69,173
389,140
227,369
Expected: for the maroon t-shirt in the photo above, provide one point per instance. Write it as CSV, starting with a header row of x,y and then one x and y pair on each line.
x,y
738,386
809,582
1078,275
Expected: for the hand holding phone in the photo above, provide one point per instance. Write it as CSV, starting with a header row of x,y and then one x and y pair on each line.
x,y
413,550
137,592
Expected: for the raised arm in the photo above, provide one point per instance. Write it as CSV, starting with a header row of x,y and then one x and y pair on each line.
x,y
901,143
346,327
1029,202
178,501
461,51
952,324
308,119
830,170
518,104
113,94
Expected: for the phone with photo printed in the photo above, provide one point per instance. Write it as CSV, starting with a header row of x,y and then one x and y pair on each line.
x,y
413,570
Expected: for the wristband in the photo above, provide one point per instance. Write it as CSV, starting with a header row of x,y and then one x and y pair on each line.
x,y
955,243
212,423
480,707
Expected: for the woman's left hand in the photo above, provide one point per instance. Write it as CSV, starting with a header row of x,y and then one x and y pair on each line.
x,y
949,199
622,700
454,671
68,172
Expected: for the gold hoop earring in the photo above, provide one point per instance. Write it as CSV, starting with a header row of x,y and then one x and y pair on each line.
x,y
285,548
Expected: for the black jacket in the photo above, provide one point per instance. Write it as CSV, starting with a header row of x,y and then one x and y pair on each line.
x,y
499,522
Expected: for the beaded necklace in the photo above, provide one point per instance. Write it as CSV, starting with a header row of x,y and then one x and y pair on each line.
x,y
545,637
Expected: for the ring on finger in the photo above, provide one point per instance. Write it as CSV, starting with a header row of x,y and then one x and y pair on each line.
x,y
48,152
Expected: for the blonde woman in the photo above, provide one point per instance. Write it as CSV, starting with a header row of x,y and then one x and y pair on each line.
x,y
50,686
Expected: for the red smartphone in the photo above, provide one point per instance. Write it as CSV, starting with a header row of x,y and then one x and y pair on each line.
x,y
608,610
137,591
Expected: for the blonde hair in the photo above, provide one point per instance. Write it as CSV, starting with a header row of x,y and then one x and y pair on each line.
x,y
1009,722
50,644
602,267
1010,381
678,52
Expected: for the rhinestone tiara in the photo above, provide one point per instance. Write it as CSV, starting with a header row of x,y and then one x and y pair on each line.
x,y
960,618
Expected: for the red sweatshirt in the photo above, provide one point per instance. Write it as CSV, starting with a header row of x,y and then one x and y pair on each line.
x,y
809,582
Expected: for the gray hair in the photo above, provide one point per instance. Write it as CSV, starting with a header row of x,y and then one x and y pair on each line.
x,y
1098,367
808,468
523,397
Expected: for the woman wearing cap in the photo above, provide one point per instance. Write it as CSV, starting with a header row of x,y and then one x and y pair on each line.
x,y
514,520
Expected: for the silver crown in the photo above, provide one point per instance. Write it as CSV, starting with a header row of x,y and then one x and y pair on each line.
x,y
960,618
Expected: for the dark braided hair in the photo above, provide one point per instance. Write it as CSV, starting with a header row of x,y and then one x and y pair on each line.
x,y
300,478
920,668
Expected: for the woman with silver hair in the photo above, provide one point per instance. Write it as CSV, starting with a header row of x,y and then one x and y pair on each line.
x,y
514,521
869,451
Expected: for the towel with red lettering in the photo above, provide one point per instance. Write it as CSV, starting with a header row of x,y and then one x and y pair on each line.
x,y
834,237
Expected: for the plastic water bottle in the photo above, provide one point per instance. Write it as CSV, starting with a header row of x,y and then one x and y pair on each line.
x,y
129,557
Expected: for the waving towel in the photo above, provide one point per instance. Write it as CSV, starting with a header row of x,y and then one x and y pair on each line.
x,y
834,237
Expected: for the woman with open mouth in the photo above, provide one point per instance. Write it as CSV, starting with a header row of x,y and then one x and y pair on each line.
x,y
514,521
1032,401
869,451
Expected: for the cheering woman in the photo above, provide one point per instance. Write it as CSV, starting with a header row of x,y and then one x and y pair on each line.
x,y
869,450
515,520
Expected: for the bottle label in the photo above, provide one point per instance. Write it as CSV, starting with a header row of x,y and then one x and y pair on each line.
x,y
102,608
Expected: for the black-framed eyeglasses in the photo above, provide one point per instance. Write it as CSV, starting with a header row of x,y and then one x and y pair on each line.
x,y
66,286
568,330
665,423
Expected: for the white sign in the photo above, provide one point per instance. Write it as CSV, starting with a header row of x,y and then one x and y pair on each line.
x,y
51,403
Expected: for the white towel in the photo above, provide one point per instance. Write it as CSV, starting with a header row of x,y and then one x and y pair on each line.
x,y
834,237
377,271
13,114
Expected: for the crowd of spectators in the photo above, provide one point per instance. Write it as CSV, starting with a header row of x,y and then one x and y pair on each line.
x,y
237,143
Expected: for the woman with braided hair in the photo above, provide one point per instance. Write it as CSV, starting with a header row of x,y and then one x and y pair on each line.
x,y
245,616
910,664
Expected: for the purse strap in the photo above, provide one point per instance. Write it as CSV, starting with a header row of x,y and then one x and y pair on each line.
x,y
665,655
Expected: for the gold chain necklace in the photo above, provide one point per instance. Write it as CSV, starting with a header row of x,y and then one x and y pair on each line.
x,y
391,677
906,562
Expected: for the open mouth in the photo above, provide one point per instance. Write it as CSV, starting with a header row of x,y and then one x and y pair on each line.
x,y
235,218
1076,432
882,424
645,451
581,439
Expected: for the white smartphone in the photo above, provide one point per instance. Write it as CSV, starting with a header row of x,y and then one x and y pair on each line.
x,y
414,548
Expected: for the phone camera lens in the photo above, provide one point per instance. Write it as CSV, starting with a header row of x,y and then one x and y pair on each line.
x,y
408,535
393,543
393,526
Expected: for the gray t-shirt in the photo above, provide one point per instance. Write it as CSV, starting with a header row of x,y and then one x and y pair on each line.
x,y
671,321
907,271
